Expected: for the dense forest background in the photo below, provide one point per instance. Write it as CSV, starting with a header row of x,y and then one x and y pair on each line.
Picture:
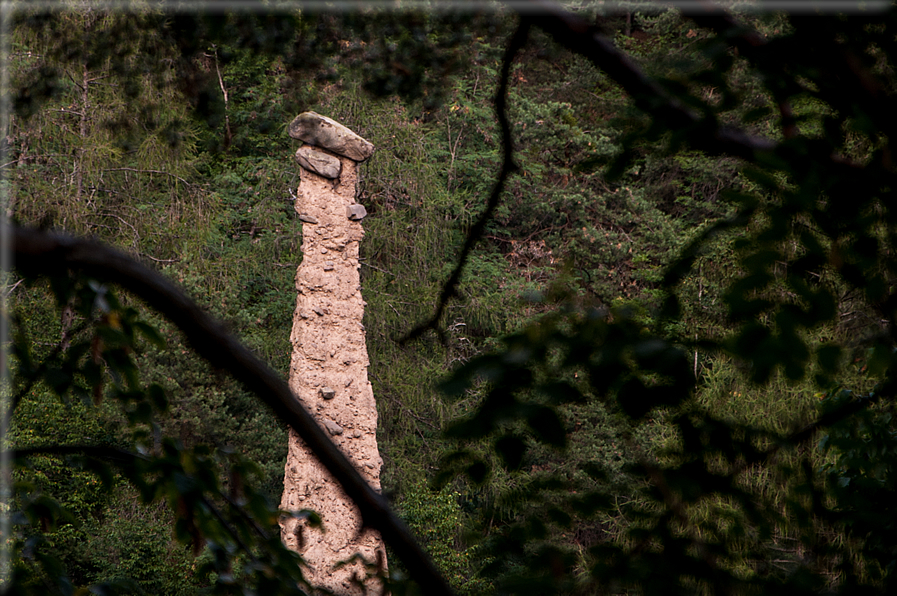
x,y
164,134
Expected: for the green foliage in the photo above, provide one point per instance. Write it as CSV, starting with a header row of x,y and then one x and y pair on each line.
x,y
670,316
129,541
211,492
711,484
436,518
861,474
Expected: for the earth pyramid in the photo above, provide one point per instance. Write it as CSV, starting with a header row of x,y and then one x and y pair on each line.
x,y
328,371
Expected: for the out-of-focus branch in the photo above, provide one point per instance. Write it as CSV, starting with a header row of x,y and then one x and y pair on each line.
x,y
807,432
705,134
753,46
40,253
45,364
570,31
113,454
127,459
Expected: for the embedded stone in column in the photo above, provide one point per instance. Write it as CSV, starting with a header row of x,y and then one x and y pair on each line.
x,y
318,162
356,212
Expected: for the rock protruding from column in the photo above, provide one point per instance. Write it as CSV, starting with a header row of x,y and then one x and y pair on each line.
x,y
314,129
319,162
328,370
356,212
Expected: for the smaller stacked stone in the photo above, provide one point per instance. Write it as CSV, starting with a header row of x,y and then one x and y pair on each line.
x,y
328,371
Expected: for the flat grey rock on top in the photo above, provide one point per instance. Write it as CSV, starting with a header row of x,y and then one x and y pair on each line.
x,y
318,162
314,129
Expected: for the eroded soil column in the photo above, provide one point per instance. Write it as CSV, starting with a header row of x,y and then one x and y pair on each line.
x,y
328,371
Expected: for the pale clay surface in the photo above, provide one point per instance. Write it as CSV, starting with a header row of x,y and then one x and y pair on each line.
x,y
330,354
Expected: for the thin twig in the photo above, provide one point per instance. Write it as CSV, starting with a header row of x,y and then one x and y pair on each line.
x,y
9,291
73,112
247,518
152,258
140,171
366,264
228,136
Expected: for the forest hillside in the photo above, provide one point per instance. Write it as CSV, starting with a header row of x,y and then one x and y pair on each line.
x,y
666,365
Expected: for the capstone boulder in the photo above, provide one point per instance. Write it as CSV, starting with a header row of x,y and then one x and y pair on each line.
x,y
314,129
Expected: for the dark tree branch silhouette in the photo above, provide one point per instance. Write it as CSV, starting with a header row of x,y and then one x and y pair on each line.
x,y
706,134
508,167
40,253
